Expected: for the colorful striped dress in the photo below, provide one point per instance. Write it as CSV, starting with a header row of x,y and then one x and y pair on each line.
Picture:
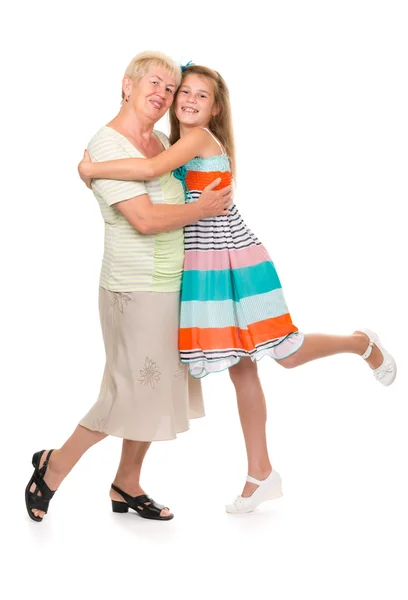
x,y
232,304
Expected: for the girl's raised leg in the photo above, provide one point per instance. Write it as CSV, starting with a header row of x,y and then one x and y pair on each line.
x,y
319,345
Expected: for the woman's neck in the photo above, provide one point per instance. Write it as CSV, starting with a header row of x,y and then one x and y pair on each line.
x,y
133,125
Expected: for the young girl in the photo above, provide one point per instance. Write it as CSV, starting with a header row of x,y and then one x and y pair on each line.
x,y
233,311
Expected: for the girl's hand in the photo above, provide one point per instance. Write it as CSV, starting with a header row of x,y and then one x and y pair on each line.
x,y
83,169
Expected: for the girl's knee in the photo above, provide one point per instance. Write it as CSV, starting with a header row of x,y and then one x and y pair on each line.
x,y
242,369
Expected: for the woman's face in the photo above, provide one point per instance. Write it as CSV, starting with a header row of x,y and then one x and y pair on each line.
x,y
153,94
195,101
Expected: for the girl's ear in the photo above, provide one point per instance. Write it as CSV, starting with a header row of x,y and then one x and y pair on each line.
x,y
215,110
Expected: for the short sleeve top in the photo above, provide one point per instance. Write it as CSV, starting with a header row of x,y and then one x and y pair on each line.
x,y
134,261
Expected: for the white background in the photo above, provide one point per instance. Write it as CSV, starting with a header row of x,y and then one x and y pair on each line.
x,y
319,97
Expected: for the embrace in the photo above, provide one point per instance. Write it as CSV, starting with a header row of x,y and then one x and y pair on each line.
x,y
186,289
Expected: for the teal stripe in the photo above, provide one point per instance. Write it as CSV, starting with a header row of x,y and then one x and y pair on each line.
x,y
211,163
227,313
229,284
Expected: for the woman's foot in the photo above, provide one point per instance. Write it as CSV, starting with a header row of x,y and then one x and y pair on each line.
x,y
52,477
380,361
133,490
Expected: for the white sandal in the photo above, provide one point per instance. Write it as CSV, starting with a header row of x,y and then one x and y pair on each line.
x,y
387,371
268,489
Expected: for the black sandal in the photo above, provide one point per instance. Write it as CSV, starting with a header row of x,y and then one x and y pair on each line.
x,y
33,500
138,503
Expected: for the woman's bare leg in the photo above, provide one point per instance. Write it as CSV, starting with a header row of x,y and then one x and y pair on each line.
x,y
63,460
319,345
128,474
252,413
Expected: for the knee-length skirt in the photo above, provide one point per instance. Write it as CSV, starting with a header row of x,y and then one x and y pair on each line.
x,y
146,394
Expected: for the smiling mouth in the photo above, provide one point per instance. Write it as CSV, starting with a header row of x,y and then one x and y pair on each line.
x,y
191,111
156,104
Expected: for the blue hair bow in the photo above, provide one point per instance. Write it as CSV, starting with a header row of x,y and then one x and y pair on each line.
x,y
184,67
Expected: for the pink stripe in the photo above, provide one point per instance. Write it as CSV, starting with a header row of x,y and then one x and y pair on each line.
x,y
206,260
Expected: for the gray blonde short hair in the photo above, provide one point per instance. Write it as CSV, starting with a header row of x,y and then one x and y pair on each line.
x,y
141,63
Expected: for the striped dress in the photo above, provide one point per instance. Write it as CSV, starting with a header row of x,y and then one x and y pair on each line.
x,y
232,304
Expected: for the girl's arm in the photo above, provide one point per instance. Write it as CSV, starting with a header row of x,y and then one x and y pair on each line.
x,y
143,169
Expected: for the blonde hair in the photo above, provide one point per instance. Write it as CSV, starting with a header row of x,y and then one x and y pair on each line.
x,y
141,63
220,124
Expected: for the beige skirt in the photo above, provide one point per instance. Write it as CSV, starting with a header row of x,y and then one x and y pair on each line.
x,y
146,393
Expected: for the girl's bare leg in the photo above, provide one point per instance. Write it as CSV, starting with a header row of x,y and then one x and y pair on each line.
x,y
319,345
251,400
252,413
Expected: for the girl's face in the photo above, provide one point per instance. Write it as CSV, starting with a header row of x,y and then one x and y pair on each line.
x,y
195,103
153,94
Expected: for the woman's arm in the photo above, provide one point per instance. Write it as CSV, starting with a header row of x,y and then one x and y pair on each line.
x,y
151,218
144,169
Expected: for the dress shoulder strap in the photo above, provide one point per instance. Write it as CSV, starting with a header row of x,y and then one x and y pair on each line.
x,y
163,138
215,139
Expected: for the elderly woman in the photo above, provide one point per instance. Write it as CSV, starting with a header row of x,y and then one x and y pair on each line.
x,y
146,394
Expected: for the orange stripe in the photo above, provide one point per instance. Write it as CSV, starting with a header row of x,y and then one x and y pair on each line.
x,y
198,180
232,337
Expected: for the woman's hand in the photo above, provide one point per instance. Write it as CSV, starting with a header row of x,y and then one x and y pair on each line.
x,y
83,169
215,203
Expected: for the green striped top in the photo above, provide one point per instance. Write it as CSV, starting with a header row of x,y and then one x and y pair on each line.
x,y
134,261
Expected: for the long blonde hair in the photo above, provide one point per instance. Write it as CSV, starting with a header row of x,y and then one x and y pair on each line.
x,y
220,124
